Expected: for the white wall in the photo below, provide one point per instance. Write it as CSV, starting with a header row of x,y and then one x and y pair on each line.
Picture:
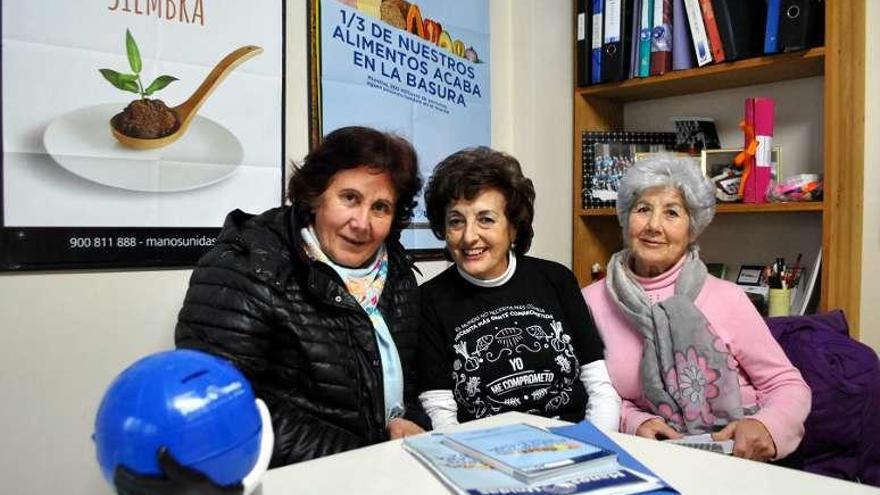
x,y
870,317
535,107
64,336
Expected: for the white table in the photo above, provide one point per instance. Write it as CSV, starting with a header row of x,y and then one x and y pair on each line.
x,y
386,468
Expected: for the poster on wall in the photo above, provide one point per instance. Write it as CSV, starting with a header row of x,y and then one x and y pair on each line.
x,y
132,127
419,69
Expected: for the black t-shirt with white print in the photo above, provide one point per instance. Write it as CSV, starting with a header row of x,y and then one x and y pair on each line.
x,y
516,347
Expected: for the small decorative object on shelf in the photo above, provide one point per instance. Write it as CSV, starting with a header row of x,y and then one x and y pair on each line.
x,y
695,134
607,155
801,187
719,167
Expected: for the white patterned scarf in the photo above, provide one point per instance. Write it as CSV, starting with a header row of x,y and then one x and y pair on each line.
x,y
366,285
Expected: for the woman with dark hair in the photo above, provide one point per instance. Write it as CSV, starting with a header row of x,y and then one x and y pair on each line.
x,y
502,331
316,303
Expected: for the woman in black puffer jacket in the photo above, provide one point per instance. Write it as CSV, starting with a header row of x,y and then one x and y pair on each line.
x,y
316,303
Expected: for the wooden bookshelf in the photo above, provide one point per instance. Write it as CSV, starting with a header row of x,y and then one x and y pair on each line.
x,y
596,234
725,208
757,70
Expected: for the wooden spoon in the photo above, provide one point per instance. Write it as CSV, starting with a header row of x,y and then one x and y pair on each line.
x,y
188,109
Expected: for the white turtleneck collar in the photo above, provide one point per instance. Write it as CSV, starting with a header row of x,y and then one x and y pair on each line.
x,y
495,282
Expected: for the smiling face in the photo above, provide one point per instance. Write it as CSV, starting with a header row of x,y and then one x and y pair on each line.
x,y
353,215
658,231
478,234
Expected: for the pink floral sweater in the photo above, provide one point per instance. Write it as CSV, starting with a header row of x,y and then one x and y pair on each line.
x,y
766,376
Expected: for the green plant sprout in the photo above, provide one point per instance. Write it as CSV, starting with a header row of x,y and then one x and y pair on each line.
x,y
132,82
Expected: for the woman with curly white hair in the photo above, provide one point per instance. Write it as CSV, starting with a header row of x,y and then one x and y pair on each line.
x,y
687,352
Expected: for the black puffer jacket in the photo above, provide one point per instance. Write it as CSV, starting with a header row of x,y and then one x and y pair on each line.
x,y
293,329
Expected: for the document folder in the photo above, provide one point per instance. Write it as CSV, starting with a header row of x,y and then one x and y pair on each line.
x,y
616,46
582,62
771,33
741,25
799,24
661,38
764,117
596,41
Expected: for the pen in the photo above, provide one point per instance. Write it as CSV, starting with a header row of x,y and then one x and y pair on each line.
x,y
795,270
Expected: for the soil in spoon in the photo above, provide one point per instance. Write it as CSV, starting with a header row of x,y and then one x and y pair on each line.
x,y
146,119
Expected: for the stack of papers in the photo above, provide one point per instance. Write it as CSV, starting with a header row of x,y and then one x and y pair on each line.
x,y
529,453
546,463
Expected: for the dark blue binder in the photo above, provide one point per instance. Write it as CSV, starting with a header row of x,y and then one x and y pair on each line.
x,y
771,34
596,41
586,432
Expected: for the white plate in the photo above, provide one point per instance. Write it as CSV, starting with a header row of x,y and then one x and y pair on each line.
x,y
80,141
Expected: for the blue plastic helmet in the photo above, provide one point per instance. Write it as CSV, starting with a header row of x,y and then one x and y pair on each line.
x,y
198,406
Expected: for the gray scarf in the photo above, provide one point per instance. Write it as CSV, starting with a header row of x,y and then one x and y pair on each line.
x,y
684,367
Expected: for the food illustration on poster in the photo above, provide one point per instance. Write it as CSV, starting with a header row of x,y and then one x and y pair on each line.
x,y
142,118
81,154
148,124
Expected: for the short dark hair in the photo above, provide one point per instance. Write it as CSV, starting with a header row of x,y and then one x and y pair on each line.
x,y
352,147
464,174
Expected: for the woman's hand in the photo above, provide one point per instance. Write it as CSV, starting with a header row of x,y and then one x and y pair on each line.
x,y
751,440
399,428
656,429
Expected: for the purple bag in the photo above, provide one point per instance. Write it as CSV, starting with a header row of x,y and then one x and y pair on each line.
x,y
842,431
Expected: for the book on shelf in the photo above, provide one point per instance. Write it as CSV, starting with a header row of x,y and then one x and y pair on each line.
x,y
582,34
759,119
807,285
711,30
529,453
661,40
596,38
699,37
646,25
800,24
625,39
771,31
741,25
463,474
634,45
616,43
682,55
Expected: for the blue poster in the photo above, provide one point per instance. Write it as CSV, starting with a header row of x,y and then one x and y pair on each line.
x,y
420,70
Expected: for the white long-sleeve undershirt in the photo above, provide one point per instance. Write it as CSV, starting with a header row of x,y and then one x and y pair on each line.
x,y
603,402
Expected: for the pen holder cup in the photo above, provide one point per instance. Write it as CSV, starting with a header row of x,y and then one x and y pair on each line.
x,y
780,302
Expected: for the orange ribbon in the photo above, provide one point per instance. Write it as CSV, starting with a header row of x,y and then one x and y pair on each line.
x,y
745,159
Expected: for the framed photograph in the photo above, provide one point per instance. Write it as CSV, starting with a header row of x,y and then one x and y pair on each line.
x,y
420,70
607,155
718,166
131,129
751,275
694,134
